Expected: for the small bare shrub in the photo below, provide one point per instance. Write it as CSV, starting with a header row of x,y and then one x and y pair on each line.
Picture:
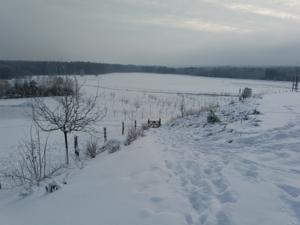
x,y
132,134
31,166
212,117
91,148
111,146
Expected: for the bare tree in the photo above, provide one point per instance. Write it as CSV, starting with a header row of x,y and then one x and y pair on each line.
x,y
71,112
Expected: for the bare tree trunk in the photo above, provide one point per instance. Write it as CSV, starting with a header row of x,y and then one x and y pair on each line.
x,y
67,148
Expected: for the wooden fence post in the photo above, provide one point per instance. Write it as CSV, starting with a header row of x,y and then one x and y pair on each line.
x,y
123,128
76,147
135,124
105,135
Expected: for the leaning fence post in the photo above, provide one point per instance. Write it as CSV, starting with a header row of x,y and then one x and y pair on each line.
x,y
123,128
105,135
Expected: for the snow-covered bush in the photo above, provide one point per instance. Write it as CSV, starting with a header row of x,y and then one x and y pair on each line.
x,y
256,112
145,126
111,146
91,148
247,92
132,134
212,117
51,187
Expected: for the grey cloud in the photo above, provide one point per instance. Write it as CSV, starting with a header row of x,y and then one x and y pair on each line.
x,y
171,32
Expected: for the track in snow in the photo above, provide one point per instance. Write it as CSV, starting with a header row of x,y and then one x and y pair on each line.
x,y
238,173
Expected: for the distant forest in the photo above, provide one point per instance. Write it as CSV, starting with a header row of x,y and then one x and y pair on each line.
x,y
20,69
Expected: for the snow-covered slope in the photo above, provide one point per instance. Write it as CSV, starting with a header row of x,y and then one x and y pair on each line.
x,y
244,170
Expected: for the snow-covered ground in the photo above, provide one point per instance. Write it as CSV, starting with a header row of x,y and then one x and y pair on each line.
x,y
244,170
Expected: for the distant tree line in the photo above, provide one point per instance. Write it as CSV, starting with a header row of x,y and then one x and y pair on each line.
x,y
19,69
23,88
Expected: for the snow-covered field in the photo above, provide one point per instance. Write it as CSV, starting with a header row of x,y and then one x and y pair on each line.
x,y
244,170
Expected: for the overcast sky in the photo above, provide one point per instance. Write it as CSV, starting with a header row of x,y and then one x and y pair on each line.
x,y
164,32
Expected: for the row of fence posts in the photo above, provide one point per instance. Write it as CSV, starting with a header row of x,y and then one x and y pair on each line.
x,y
105,139
104,135
135,127
123,130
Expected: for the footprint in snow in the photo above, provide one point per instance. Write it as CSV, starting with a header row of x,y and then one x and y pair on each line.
x,y
227,197
224,219
156,199
291,190
220,185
